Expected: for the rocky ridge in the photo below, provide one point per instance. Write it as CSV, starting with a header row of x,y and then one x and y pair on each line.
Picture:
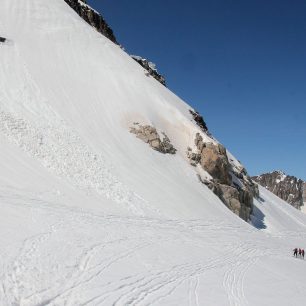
x,y
199,120
150,67
96,20
230,183
92,17
287,187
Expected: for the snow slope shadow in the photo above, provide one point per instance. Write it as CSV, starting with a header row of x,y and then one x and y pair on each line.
x,y
258,217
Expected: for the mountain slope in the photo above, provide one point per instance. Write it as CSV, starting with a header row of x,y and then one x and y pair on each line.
x,y
90,214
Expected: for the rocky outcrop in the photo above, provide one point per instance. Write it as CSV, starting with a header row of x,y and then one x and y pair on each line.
x,y
214,160
199,120
92,17
151,68
97,21
149,135
287,187
231,184
2,39
238,200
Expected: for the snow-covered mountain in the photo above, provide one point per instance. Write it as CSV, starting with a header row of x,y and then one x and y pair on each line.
x,y
112,190
287,187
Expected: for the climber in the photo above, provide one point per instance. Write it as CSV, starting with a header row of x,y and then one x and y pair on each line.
x,y
303,253
300,252
295,251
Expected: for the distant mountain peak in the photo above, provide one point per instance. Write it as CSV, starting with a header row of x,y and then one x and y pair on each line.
x,y
287,187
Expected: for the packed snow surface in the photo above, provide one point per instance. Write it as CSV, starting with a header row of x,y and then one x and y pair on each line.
x,y
92,216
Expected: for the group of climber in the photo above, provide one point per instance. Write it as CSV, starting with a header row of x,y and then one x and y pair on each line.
x,y
298,253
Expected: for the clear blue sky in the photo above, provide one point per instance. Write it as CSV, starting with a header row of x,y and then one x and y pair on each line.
x,y
241,63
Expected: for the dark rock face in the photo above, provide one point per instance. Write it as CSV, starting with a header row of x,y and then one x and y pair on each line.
x,y
92,17
151,68
288,188
233,186
2,39
199,120
149,135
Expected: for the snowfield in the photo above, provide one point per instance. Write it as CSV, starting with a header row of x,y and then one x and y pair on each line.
x,y
90,215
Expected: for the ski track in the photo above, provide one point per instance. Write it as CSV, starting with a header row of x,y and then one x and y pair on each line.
x,y
93,260
233,281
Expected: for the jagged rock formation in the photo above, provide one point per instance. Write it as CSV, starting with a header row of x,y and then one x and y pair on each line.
x,y
2,39
92,17
151,68
287,187
149,134
199,120
214,160
231,184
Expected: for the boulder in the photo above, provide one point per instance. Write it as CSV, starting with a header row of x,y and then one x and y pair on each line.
x,y
149,134
214,160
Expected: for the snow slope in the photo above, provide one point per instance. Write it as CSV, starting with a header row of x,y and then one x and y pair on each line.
x,y
90,215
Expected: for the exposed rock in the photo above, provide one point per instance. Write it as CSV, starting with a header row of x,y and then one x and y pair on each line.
x,y
2,39
194,158
151,68
238,200
92,17
199,120
232,185
289,188
149,134
213,159
96,20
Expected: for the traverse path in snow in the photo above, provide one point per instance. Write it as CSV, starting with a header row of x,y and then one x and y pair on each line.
x,y
90,215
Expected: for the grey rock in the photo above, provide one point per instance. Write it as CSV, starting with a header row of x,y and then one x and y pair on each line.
x,y
199,120
150,68
287,187
149,134
92,17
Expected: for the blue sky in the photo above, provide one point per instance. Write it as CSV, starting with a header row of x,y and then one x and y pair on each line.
x,y
240,63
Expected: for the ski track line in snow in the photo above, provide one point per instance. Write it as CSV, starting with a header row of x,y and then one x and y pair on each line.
x,y
177,276
91,274
233,281
140,289
167,281
13,280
